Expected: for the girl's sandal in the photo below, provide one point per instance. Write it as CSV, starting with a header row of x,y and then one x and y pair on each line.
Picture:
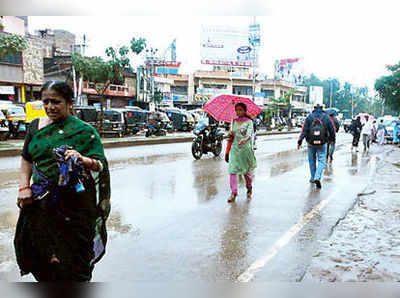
x,y
249,192
232,198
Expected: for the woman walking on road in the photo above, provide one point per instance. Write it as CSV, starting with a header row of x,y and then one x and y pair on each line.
x,y
61,229
355,129
381,133
241,156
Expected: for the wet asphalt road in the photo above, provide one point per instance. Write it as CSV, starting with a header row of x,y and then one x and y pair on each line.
x,y
170,220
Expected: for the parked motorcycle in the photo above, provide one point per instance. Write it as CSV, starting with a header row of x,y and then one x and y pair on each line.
x,y
208,139
155,130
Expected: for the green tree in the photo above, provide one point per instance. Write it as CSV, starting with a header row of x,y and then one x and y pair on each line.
x,y
388,87
102,72
11,44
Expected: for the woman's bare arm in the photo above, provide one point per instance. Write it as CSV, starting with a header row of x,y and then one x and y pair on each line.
x,y
25,173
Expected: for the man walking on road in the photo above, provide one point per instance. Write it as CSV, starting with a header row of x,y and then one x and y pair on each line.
x,y
366,133
318,130
332,144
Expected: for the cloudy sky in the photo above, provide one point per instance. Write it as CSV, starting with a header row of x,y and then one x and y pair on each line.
x,y
351,42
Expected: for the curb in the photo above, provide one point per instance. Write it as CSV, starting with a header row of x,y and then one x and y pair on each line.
x,y
132,143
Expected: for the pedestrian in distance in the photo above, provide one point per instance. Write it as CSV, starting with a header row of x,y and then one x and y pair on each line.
x,y
381,131
61,231
355,130
332,144
241,156
366,133
318,130
396,130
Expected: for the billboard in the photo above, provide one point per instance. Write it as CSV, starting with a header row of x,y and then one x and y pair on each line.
x,y
290,70
255,35
225,45
316,95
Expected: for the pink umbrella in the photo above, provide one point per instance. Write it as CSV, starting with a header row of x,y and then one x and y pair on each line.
x,y
364,115
222,107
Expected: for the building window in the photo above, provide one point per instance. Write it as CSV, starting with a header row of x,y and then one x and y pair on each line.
x,y
242,90
216,86
269,93
298,98
181,90
15,59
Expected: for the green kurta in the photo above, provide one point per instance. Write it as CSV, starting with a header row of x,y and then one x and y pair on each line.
x,y
241,157
79,242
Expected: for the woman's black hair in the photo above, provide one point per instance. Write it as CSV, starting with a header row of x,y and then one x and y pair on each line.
x,y
244,107
61,87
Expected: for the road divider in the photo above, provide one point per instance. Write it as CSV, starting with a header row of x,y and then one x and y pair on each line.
x,y
16,149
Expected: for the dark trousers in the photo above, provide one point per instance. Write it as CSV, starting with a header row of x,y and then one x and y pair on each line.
x,y
356,139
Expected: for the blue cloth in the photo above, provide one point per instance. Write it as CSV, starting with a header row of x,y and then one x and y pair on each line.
x,y
317,154
331,148
320,114
396,134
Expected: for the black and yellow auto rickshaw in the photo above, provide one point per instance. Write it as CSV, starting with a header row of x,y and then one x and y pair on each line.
x,y
88,114
3,127
181,120
16,118
113,123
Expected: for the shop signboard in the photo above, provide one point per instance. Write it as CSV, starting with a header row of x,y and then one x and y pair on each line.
x,y
7,90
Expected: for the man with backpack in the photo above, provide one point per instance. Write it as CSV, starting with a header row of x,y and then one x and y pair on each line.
x,y
318,130
331,144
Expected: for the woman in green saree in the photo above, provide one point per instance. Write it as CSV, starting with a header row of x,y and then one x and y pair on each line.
x,y
241,155
61,243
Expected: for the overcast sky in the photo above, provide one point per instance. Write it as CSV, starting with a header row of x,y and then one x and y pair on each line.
x,y
354,46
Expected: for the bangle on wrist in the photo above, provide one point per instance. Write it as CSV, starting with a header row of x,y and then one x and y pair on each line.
x,y
24,188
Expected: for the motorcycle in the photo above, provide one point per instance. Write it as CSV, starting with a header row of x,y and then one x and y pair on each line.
x,y
157,131
208,139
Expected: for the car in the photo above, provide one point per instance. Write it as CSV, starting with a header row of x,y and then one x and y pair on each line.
x,y
389,125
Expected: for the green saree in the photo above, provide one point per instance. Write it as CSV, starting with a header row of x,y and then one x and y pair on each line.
x,y
241,157
80,241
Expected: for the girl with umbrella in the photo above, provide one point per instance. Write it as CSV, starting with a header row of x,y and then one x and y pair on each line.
x,y
241,156
239,111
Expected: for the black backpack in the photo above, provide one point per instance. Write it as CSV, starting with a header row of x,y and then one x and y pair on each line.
x,y
317,134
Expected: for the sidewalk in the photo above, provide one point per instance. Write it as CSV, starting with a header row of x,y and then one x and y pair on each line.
x,y
365,245
14,147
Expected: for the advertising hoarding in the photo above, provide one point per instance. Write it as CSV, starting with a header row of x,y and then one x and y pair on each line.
x,y
316,95
290,70
225,45
255,35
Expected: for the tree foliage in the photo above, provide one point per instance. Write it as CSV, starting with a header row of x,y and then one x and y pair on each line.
x,y
12,44
343,95
388,87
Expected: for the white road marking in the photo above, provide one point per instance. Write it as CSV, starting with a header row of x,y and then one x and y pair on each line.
x,y
259,264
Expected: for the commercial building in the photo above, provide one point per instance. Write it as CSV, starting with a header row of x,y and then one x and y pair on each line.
x,y
21,74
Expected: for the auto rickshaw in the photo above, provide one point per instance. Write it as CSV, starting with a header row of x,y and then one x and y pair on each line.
x,y
16,118
3,127
34,110
113,123
181,121
87,114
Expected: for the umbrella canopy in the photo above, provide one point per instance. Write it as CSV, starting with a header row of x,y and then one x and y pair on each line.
x,y
332,111
364,115
222,107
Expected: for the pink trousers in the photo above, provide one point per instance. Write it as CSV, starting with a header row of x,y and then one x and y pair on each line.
x,y
234,185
